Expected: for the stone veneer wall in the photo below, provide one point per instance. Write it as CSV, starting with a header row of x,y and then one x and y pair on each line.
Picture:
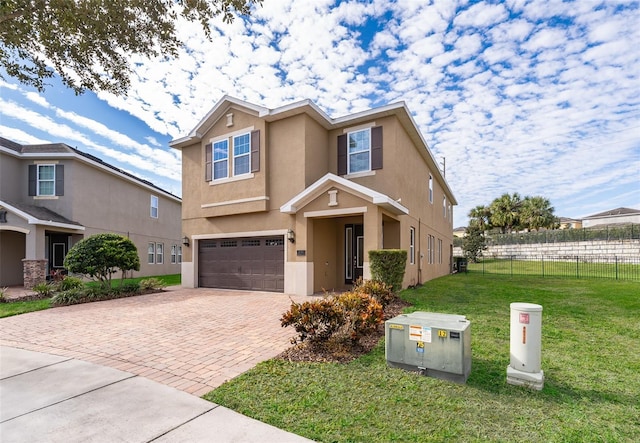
x,y
617,248
34,272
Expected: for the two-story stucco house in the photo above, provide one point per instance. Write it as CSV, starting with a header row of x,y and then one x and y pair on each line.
x,y
291,200
52,196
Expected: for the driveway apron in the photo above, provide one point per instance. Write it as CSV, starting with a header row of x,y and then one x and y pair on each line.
x,y
191,339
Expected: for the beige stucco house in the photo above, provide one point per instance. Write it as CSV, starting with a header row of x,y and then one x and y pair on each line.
x,y
52,196
291,200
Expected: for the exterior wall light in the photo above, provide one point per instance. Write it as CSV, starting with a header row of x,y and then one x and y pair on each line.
x,y
291,236
185,240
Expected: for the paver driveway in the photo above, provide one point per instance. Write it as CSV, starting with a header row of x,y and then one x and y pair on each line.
x,y
191,339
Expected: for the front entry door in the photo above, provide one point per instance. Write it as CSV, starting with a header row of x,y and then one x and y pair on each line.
x,y
353,252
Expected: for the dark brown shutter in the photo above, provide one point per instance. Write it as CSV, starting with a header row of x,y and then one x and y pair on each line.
x,y
59,179
376,147
208,166
33,179
342,154
255,151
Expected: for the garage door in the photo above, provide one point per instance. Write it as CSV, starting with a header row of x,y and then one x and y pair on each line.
x,y
255,263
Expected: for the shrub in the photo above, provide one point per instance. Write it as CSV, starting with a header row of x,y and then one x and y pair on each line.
x,y
69,283
101,255
44,289
388,266
315,320
3,294
130,287
151,284
376,289
362,314
70,297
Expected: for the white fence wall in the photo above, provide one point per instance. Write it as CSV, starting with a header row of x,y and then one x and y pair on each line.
x,y
618,248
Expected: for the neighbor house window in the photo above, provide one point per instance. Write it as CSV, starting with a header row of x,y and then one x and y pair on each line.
x,y
412,245
359,151
439,250
241,154
444,207
431,248
174,252
154,206
151,253
430,188
46,180
159,253
221,159
179,254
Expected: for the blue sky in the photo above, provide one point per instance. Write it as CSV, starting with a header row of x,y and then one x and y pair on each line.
x,y
534,97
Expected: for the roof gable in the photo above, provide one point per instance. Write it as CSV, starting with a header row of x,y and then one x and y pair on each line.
x,y
615,212
329,180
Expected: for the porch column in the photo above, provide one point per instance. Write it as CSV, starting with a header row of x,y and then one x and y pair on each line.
x,y
34,265
372,236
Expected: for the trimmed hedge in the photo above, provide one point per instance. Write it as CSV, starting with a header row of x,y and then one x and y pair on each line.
x,y
388,266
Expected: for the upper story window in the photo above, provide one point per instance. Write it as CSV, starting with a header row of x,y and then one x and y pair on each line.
x,y
359,155
444,206
360,151
154,207
235,155
46,180
430,188
241,154
220,159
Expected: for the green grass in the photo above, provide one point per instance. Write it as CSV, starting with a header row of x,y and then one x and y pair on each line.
x,y
22,307
559,268
169,280
590,356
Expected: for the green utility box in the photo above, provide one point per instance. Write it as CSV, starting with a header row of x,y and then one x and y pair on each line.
x,y
438,345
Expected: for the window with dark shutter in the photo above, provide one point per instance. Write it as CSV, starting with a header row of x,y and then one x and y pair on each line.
x,y
59,179
255,151
208,162
376,147
342,154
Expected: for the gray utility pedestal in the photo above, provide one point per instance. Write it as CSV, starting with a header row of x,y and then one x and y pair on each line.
x,y
438,345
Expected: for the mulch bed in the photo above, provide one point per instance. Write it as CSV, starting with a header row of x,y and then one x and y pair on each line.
x,y
342,351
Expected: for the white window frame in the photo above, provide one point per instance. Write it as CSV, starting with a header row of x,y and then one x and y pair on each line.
x,y
223,147
179,254
174,253
440,250
444,206
159,253
430,188
237,157
151,253
41,181
367,150
412,245
155,202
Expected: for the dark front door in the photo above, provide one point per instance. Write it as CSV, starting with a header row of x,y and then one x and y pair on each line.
x,y
353,252
57,245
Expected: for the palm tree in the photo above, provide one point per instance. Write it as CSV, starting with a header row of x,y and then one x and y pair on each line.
x,y
537,213
480,216
505,212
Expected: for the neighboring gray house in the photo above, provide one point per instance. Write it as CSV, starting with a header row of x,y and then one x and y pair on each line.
x,y
52,196
613,216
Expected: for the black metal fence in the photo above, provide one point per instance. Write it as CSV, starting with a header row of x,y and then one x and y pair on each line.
x,y
596,266
606,233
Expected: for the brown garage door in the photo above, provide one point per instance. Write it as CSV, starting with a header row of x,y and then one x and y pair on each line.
x,y
255,263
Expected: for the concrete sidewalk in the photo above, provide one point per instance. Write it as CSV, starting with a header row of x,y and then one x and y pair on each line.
x,y
47,398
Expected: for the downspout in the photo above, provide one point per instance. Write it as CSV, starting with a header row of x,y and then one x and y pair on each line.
x,y
419,252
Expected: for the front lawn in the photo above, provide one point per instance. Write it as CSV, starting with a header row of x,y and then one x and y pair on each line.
x,y
22,307
590,356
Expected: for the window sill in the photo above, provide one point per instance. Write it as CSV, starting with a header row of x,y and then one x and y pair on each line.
x,y
359,174
45,197
232,179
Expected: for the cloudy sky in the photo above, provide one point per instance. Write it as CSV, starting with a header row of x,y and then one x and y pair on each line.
x,y
534,97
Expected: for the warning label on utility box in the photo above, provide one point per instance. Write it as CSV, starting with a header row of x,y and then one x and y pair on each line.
x,y
420,333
